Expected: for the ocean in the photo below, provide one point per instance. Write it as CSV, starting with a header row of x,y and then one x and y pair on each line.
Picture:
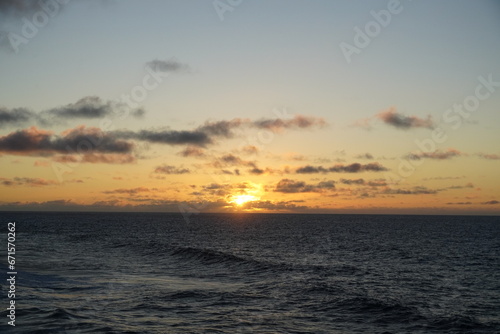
x,y
252,273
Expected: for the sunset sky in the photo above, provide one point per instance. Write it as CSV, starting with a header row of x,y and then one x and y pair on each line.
x,y
250,106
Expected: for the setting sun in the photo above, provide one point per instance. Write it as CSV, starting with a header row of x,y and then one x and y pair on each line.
x,y
242,199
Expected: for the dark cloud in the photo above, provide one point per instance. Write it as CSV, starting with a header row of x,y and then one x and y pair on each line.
x,y
169,137
16,116
256,171
167,169
414,191
297,122
19,8
170,65
293,186
352,168
493,202
311,170
436,155
225,129
468,185
78,140
26,181
89,107
350,181
222,128
393,118
459,203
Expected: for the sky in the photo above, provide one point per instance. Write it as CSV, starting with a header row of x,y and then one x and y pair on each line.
x,y
250,106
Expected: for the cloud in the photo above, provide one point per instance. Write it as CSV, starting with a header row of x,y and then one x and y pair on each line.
x,y
130,191
489,156
222,128
436,155
16,116
311,169
297,122
493,202
367,156
415,191
468,185
18,8
89,107
440,178
26,181
170,65
340,168
192,151
459,203
167,169
250,149
95,158
274,206
80,144
256,171
377,183
293,186
170,137
350,182
231,160
393,118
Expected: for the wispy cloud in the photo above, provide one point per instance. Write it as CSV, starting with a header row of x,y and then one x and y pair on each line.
x,y
414,191
26,181
129,191
95,158
170,65
367,156
192,151
489,156
436,155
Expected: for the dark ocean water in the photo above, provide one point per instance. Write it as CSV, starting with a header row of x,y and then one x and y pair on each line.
x,y
155,273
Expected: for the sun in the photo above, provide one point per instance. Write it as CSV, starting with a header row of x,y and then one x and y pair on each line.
x,y
242,199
